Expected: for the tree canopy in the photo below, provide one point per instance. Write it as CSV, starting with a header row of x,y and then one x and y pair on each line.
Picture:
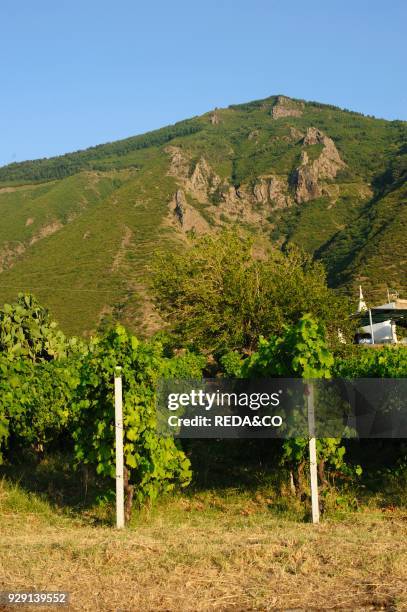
x,y
223,292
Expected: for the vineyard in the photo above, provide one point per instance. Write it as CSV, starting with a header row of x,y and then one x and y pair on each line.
x,y
56,396
232,514
203,307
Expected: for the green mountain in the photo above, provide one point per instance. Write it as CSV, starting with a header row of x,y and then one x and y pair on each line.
x,y
80,230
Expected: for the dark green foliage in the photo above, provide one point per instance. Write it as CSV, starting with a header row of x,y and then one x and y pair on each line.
x,y
366,362
35,403
51,387
38,375
372,246
153,465
301,351
49,396
27,331
220,296
396,172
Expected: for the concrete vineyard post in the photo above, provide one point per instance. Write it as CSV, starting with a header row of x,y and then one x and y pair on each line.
x,y
313,454
118,417
371,325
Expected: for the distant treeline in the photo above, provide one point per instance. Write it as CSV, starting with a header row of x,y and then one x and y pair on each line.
x,y
65,165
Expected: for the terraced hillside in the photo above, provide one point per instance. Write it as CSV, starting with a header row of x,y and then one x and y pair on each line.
x,y
80,230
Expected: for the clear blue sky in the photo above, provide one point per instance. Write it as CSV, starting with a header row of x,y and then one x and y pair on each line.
x,y
75,73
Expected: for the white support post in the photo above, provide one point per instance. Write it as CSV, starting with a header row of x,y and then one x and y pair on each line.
x,y
118,418
371,325
313,454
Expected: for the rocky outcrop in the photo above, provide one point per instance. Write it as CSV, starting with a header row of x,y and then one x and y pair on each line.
x,y
185,216
306,181
248,203
236,206
203,181
285,107
229,195
314,136
295,134
278,193
272,191
179,163
214,117
310,173
180,207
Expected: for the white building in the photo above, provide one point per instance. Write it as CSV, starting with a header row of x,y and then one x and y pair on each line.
x,y
379,323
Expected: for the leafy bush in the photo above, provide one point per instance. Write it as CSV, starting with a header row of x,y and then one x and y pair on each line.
x,y
27,331
153,465
231,364
38,373
52,388
220,295
365,362
301,351
35,402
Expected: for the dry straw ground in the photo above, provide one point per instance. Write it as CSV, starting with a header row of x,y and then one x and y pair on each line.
x,y
197,554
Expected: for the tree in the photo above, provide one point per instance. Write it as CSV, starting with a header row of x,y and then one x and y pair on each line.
x,y
220,294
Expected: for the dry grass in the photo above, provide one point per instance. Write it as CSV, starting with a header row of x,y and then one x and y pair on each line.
x,y
199,554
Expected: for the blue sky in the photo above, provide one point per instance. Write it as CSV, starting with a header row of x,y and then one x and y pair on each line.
x,y
75,73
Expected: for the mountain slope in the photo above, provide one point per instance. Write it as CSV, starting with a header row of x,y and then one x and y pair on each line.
x,y
80,230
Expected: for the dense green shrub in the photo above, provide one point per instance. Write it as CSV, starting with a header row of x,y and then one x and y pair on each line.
x,y
368,362
153,465
301,351
35,402
38,374
53,389
27,332
221,295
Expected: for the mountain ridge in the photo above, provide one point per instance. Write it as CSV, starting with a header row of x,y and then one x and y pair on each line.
x,y
279,167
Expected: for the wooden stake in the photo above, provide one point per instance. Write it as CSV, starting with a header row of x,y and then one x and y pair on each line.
x,y
118,416
313,454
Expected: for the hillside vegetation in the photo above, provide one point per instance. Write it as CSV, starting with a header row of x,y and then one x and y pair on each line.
x,y
80,230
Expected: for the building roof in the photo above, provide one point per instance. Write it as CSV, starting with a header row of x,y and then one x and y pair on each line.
x,y
383,313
